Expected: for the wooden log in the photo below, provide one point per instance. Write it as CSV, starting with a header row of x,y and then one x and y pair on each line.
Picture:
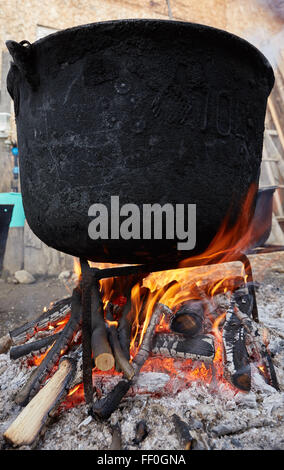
x,y
26,427
60,346
189,317
106,406
102,353
54,314
24,349
199,348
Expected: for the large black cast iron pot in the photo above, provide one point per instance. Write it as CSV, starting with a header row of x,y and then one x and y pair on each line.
x,y
150,111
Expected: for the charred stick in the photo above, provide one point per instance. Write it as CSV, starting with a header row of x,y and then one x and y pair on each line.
x,y
200,348
250,285
182,430
121,363
102,352
87,280
126,319
105,407
34,382
124,328
272,373
58,311
147,342
24,349
141,432
255,343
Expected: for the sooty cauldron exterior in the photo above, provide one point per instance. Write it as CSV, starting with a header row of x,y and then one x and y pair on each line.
x,y
151,111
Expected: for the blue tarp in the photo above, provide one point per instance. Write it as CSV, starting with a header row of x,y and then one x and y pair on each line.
x,y
18,216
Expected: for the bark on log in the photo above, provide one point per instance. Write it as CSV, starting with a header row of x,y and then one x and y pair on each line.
x,y
105,407
24,349
199,348
26,427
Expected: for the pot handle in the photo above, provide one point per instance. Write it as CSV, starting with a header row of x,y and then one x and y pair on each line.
x,y
23,57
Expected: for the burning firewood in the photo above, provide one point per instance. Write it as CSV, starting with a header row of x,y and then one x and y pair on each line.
x,y
200,347
124,329
26,427
256,339
244,343
60,345
121,362
126,318
188,318
105,407
49,317
102,353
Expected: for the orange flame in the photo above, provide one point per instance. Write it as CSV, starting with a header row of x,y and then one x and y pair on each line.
x,y
173,287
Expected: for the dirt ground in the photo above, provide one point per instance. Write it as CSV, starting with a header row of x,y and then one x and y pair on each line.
x,y
20,303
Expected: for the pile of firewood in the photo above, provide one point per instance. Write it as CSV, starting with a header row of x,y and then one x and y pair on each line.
x,y
189,336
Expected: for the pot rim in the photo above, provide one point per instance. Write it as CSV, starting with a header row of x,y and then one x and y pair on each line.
x,y
218,33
